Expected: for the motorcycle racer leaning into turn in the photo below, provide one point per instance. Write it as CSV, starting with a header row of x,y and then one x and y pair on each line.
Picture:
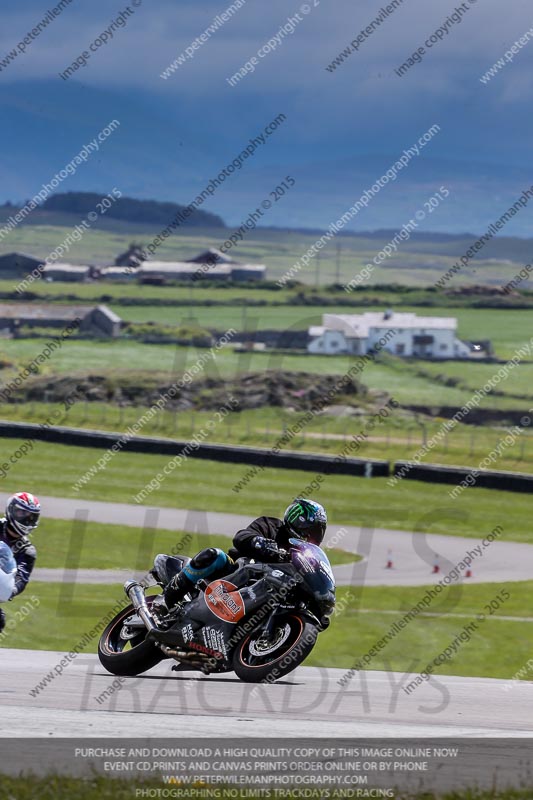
x,y
265,539
21,518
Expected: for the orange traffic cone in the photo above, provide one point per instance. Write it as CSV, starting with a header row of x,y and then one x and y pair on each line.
x,y
389,564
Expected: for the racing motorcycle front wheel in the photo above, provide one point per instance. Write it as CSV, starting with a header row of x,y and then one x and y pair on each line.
x,y
124,649
258,660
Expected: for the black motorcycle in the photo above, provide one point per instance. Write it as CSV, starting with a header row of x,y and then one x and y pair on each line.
x,y
261,621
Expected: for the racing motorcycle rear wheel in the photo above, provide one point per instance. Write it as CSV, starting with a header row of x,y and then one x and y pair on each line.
x,y
256,660
125,651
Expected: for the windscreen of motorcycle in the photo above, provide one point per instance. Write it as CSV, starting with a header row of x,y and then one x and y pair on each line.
x,y
313,566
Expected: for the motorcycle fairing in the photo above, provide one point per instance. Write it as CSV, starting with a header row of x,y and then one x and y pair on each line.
x,y
216,619
213,631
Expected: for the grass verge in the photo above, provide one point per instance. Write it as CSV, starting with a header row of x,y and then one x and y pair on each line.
x,y
209,485
93,545
362,620
66,611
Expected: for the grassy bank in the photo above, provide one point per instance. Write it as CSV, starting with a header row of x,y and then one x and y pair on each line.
x,y
422,383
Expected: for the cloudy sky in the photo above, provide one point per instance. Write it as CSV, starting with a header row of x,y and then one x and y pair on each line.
x,y
342,127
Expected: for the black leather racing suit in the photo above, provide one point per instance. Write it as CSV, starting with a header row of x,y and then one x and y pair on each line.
x,y
25,556
213,563
269,528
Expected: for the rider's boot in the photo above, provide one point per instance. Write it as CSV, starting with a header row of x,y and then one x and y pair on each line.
x,y
174,592
159,605
177,588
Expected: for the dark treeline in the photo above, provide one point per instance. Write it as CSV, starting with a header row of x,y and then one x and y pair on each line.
x,y
130,209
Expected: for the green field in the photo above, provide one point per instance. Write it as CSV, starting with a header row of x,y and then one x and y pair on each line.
x,y
126,294
221,318
420,262
266,293
59,615
203,485
517,384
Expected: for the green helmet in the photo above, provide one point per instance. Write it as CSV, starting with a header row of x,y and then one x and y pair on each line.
x,y
307,520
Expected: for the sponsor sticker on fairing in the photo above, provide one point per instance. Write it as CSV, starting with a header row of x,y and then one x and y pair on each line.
x,y
225,601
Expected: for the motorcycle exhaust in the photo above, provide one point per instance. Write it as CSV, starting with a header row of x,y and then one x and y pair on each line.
x,y
136,594
183,655
205,664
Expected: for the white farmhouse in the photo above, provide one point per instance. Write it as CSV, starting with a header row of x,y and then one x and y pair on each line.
x,y
403,334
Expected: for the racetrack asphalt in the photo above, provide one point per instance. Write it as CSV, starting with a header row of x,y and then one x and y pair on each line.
x,y
164,703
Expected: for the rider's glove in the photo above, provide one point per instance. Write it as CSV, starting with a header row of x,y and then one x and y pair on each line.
x,y
267,550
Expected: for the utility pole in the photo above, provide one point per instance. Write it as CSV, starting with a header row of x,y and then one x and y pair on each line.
x,y
338,264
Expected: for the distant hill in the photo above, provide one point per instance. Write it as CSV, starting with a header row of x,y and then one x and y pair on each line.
x,y
131,210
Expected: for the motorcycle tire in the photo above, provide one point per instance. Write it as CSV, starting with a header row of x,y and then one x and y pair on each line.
x,y
255,661
126,656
